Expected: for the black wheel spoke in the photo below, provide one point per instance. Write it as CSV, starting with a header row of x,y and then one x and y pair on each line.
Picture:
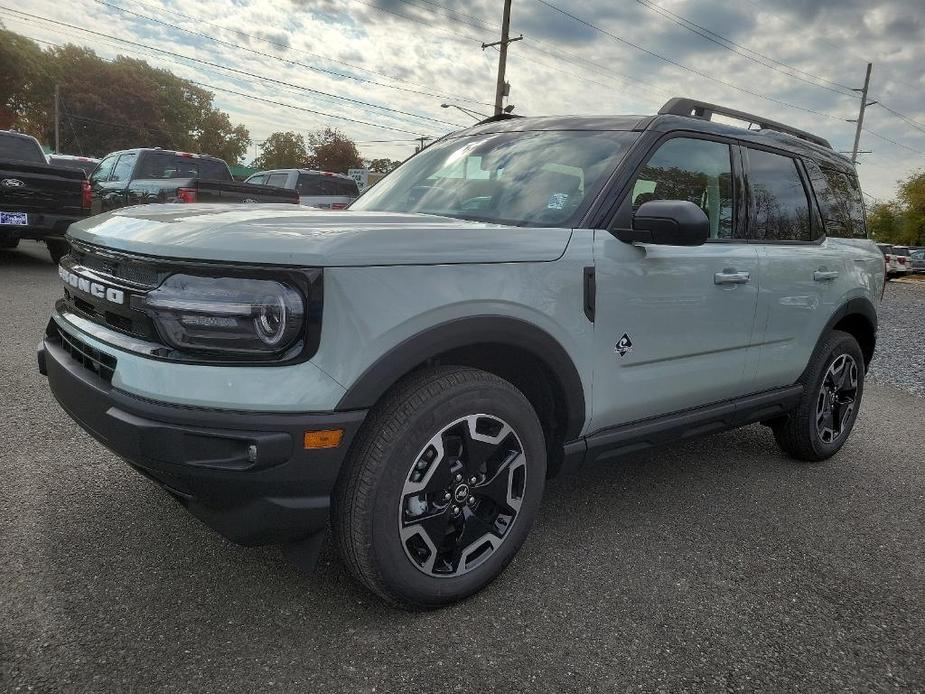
x,y
496,487
835,401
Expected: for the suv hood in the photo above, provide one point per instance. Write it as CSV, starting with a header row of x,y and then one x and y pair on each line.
x,y
289,235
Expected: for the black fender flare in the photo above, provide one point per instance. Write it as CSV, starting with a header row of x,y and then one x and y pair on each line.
x,y
468,332
858,306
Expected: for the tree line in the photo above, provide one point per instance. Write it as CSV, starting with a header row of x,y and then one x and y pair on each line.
x,y
901,220
109,105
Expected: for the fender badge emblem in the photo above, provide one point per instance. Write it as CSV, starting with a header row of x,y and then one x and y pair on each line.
x,y
624,345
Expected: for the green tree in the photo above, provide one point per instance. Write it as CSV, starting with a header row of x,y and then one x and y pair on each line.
x,y
109,105
333,151
382,166
884,221
912,199
283,150
26,86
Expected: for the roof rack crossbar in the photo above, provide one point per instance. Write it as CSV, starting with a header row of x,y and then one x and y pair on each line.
x,y
680,106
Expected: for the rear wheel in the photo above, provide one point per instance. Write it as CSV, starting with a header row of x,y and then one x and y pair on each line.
x,y
441,488
833,385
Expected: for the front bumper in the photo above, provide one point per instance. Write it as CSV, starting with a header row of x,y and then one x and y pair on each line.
x,y
245,474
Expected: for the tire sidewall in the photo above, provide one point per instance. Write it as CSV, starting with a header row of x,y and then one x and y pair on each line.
x,y
396,569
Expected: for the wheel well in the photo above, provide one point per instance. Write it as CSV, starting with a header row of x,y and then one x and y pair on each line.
x,y
531,376
859,327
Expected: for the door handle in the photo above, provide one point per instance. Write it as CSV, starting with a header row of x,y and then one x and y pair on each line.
x,y
823,275
731,277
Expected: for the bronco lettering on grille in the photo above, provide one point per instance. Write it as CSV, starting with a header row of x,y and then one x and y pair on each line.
x,y
100,291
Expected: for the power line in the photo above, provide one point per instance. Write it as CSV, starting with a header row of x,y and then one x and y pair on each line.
x,y
732,46
270,101
274,57
893,142
685,67
907,119
315,68
236,71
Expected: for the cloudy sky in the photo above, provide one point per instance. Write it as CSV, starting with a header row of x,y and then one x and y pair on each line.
x,y
380,69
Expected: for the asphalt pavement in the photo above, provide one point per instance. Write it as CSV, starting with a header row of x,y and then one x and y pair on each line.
x,y
714,565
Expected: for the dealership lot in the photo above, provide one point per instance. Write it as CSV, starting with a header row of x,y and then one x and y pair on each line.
x,y
716,564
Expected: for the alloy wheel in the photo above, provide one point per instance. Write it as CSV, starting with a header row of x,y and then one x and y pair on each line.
x,y
835,401
461,495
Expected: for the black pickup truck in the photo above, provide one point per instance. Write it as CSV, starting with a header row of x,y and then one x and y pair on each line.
x,y
37,201
142,176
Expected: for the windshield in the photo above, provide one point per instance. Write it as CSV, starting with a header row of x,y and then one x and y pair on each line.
x,y
537,178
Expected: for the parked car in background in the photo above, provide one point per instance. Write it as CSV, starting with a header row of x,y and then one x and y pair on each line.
x,y
917,256
37,200
71,161
322,189
142,176
903,261
893,267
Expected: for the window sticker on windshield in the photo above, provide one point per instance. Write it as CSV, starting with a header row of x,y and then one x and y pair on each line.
x,y
557,201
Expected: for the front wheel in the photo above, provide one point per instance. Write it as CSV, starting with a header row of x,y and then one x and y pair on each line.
x,y
832,389
441,487
57,249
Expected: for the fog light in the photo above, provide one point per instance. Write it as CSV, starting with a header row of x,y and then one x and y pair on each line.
x,y
327,438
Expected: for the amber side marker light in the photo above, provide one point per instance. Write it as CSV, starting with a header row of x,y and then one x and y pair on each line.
x,y
326,438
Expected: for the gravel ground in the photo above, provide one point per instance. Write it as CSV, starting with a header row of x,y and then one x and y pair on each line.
x,y
900,356
715,565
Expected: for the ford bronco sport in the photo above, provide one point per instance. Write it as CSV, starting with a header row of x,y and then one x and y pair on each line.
x,y
519,298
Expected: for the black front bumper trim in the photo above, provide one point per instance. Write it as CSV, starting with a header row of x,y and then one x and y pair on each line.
x,y
245,474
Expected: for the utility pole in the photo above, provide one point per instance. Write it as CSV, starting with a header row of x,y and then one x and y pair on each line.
x,y
57,120
423,139
500,88
860,120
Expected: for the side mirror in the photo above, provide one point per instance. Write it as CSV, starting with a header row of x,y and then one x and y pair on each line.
x,y
668,223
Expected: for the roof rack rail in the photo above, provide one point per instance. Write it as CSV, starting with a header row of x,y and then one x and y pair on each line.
x,y
497,117
680,106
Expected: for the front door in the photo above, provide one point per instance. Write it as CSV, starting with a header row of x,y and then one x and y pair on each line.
x,y
674,325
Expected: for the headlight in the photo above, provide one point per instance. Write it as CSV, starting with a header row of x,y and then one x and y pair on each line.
x,y
226,315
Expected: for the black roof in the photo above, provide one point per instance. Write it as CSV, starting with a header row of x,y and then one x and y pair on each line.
x,y
669,119
167,151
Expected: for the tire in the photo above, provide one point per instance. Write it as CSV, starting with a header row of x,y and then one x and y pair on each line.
x,y
822,421
8,244
396,474
57,249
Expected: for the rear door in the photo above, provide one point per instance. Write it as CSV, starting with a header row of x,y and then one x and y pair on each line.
x,y
674,325
803,273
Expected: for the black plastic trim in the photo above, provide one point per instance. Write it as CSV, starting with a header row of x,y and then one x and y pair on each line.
x,y
590,292
245,474
467,332
698,421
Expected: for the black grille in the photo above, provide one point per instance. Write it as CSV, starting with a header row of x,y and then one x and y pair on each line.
x,y
103,365
128,270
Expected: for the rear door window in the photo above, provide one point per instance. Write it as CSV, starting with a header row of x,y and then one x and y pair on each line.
x,y
779,205
277,179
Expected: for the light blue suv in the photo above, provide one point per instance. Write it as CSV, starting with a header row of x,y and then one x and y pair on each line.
x,y
519,298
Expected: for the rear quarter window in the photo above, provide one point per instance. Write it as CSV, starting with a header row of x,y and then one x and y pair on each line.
x,y
319,184
840,201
